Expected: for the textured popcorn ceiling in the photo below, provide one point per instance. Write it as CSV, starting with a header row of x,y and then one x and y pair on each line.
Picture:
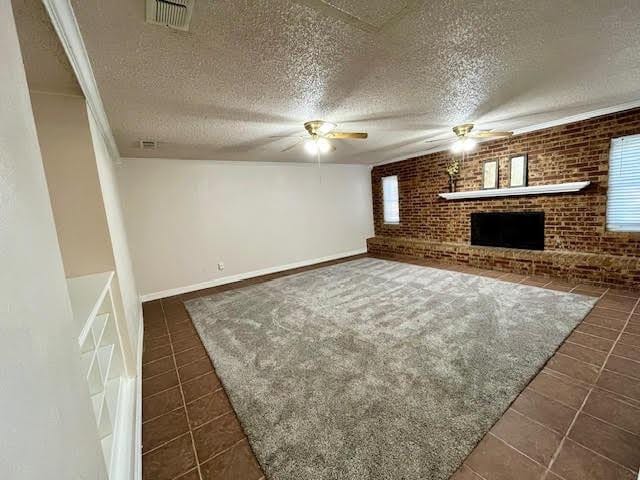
x,y
46,64
403,71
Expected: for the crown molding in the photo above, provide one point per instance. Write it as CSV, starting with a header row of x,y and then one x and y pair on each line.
x,y
66,26
532,128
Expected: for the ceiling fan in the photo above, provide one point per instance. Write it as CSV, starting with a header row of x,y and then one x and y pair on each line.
x,y
466,138
320,132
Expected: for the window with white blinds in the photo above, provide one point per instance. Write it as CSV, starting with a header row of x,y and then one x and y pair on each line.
x,y
390,199
623,198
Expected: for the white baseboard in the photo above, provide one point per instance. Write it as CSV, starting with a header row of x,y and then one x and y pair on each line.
x,y
246,275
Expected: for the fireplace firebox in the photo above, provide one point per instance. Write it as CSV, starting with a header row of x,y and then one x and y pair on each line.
x,y
524,230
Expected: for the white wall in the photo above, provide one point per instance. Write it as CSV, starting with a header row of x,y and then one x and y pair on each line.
x,y
72,179
185,216
47,428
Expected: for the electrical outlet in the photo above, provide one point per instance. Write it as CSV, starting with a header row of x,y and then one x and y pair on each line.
x,y
220,266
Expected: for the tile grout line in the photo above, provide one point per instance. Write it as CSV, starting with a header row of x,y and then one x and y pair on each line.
x,y
574,358
592,321
183,474
162,415
597,311
544,396
598,336
601,456
217,418
591,388
198,377
165,443
619,396
524,415
583,346
159,358
473,471
572,408
184,403
584,387
150,377
635,379
205,395
600,326
579,383
191,362
612,424
556,453
629,359
228,449
515,449
162,391
558,352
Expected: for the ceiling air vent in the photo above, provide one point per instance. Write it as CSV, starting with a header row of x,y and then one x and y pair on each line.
x,y
170,13
148,144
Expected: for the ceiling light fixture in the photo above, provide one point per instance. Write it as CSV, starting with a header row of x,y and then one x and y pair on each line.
x,y
311,147
463,145
317,145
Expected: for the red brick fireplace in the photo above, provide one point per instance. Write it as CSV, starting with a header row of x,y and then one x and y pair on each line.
x,y
577,245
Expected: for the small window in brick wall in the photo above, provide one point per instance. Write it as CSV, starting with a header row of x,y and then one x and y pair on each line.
x,y
623,197
390,199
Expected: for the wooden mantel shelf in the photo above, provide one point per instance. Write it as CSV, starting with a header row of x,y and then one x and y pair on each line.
x,y
516,191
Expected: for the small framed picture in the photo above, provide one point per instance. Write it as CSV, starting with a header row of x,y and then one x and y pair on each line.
x,y
518,170
489,174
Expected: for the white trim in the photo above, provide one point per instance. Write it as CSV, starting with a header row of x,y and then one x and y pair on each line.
x,y
266,163
65,24
243,276
137,448
531,128
579,117
124,451
517,191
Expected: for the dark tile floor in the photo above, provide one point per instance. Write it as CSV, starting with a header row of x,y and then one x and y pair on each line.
x,y
578,419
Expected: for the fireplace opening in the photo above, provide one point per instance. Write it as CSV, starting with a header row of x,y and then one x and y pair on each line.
x,y
523,230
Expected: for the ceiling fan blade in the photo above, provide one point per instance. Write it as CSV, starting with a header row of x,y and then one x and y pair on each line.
x,y
352,135
291,147
435,143
441,140
489,134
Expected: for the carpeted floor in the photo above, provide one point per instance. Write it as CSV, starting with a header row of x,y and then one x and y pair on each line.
x,y
373,369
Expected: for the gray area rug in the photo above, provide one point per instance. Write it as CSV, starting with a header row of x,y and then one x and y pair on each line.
x,y
374,369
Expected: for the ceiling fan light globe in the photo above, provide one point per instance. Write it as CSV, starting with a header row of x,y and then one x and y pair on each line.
x,y
311,147
323,145
469,144
457,146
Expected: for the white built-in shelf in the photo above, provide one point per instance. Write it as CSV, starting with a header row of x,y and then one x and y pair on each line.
x,y
101,356
87,294
516,191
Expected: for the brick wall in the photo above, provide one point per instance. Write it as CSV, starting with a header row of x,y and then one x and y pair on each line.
x,y
567,153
